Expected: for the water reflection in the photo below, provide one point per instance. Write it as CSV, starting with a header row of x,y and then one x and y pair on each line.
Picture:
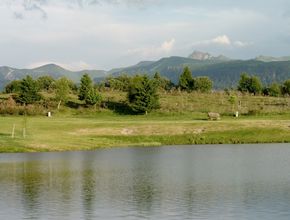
x,y
30,179
213,182
88,187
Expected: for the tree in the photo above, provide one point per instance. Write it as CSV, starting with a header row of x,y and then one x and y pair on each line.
x,y
87,91
244,82
86,86
202,84
255,86
162,82
142,95
45,83
93,97
185,80
13,87
272,90
286,87
232,100
121,82
62,90
28,93
251,84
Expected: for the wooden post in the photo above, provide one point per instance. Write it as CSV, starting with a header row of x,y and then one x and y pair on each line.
x,y
58,106
24,124
24,132
13,131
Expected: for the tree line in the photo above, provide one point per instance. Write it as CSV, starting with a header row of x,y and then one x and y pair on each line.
x,y
142,90
253,85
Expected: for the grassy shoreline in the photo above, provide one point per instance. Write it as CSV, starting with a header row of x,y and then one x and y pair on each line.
x,y
105,131
181,120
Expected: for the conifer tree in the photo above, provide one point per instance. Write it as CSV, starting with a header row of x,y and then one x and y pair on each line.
x,y
185,80
143,95
86,86
87,92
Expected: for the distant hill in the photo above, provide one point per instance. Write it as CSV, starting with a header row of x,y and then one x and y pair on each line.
x,y
272,59
227,75
165,65
224,71
8,73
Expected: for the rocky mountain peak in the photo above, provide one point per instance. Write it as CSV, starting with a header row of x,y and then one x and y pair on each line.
x,y
198,55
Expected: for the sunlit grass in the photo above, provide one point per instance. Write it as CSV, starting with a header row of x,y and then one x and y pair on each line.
x,y
76,133
182,119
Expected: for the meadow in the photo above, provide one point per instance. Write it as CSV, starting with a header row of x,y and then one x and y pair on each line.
x,y
181,120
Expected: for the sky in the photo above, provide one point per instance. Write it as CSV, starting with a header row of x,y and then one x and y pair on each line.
x,y
106,34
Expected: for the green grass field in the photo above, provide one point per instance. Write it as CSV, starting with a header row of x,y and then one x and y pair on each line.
x,y
65,133
182,119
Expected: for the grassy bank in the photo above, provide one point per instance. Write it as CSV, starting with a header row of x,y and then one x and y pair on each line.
x,y
77,133
181,119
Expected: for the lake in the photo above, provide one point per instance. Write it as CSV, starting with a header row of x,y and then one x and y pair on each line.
x,y
182,182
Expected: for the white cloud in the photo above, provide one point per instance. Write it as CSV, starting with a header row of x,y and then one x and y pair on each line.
x,y
222,40
165,48
104,33
242,44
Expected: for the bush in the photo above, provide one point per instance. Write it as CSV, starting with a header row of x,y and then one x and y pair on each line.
x,y
93,97
286,87
9,107
202,84
273,90
250,84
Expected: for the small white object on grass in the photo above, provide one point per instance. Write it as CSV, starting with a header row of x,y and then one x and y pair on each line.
x,y
237,114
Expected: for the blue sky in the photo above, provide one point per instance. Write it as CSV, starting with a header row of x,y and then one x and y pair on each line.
x,y
103,34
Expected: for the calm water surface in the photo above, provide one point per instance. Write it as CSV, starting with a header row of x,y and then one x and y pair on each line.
x,y
184,182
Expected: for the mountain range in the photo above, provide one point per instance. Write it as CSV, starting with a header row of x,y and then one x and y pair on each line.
x,y
224,72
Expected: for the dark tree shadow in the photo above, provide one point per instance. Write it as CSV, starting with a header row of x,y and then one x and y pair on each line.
x,y
74,105
120,108
4,135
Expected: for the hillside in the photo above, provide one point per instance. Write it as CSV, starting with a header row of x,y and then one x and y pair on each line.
x,y
8,73
169,66
225,74
224,71
272,59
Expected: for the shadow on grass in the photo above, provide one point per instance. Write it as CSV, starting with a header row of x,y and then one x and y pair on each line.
x,y
4,135
74,105
120,108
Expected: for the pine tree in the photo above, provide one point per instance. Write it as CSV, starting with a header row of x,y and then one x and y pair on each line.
x,y
142,95
86,86
87,92
185,80
93,97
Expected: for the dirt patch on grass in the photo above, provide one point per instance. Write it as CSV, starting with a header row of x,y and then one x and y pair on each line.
x,y
127,131
179,128
152,129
